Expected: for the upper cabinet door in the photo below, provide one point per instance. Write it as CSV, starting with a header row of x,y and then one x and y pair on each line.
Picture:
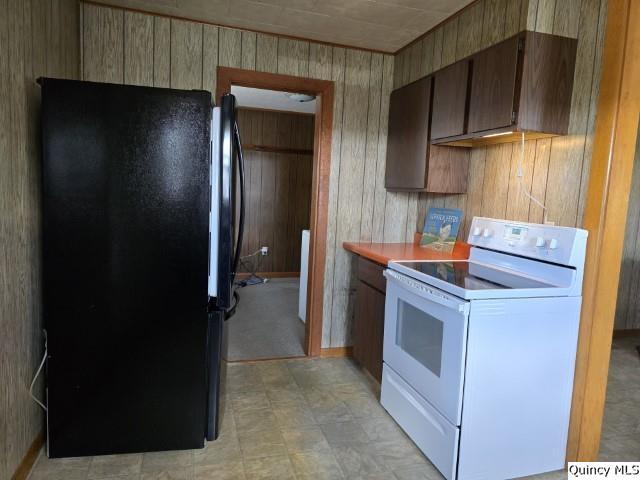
x,y
408,137
493,86
450,100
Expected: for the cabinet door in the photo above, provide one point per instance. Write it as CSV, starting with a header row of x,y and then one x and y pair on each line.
x,y
368,331
493,84
408,137
450,100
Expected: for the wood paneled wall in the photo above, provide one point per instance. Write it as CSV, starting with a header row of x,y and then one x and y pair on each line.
x,y
122,46
37,38
278,187
555,170
628,307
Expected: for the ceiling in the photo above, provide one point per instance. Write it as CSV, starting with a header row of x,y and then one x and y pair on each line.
x,y
270,100
384,25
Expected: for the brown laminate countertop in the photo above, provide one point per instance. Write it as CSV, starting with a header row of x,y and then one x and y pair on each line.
x,y
384,253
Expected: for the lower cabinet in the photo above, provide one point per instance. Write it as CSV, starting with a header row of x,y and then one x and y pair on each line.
x,y
368,325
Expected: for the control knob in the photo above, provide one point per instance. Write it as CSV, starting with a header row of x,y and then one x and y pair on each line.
x,y
486,233
477,231
553,243
540,242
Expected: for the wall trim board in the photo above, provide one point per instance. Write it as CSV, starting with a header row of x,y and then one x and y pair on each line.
x,y
324,89
29,460
336,352
224,25
614,143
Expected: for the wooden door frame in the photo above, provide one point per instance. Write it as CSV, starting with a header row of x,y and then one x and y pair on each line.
x,y
323,126
614,147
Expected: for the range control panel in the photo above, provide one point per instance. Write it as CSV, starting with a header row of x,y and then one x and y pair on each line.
x,y
562,245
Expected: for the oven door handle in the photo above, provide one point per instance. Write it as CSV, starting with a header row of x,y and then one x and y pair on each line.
x,y
425,291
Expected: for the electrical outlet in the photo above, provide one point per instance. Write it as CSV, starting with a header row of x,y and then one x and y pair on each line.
x,y
264,251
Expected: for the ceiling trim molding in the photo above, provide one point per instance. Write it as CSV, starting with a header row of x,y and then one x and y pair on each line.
x,y
205,22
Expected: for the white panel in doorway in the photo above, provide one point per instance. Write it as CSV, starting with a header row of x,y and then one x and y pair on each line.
x,y
304,274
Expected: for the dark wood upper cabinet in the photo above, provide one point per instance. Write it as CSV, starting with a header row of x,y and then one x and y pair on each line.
x,y
521,85
450,100
408,137
412,164
493,85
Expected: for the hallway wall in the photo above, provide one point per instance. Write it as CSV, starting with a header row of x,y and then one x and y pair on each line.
x,y
37,38
278,186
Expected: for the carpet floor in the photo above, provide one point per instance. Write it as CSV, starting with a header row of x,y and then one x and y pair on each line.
x,y
266,323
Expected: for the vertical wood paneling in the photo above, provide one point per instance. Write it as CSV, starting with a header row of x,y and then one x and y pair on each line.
x,y
494,21
426,62
380,192
371,148
415,61
470,30
161,52
266,53
138,49
496,180
357,74
449,43
293,57
475,189
539,182
36,39
230,47
566,161
517,200
437,48
209,58
337,75
186,55
595,90
545,15
320,57
103,44
513,17
249,50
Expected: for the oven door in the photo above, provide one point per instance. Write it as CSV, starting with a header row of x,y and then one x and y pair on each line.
x,y
425,338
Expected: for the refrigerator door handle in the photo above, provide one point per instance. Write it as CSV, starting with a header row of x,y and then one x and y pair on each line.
x,y
240,156
236,257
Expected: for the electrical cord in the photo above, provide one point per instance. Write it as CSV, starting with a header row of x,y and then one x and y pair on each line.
x,y
520,175
40,367
254,278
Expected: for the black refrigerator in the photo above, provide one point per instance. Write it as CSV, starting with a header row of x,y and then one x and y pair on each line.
x,y
139,255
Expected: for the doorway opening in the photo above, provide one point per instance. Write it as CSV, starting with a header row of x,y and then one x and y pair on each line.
x,y
285,123
277,130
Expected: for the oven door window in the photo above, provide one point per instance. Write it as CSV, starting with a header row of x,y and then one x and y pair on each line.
x,y
420,336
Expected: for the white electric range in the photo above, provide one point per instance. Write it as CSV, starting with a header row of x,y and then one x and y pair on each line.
x,y
479,355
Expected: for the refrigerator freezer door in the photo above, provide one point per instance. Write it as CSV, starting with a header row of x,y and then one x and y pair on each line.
x,y
125,246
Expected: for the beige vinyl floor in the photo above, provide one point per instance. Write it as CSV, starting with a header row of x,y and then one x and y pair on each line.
x,y
320,419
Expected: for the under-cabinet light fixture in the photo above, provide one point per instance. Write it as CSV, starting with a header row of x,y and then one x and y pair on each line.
x,y
496,134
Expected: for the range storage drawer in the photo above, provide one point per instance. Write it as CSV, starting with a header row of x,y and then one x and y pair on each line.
x,y
430,431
